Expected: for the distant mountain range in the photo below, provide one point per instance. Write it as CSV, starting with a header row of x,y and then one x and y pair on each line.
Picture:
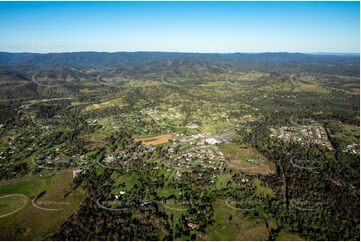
x,y
105,58
334,53
281,61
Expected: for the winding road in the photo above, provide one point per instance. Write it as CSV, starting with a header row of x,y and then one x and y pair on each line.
x,y
44,85
238,209
106,84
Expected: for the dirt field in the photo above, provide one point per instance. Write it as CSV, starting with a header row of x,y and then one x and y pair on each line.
x,y
111,103
250,169
155,140
97,106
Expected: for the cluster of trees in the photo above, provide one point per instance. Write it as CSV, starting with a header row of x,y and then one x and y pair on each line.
x,y
92,222
325,190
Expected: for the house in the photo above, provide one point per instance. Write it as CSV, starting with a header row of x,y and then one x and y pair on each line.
x,y
109,158
192,126
212,141
148,203
39,168
191,224
69,162
76,172
150,148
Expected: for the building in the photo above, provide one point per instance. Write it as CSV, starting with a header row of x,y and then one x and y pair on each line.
x,y
76,172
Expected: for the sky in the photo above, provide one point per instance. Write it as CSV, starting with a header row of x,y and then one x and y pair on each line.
x,y
222,27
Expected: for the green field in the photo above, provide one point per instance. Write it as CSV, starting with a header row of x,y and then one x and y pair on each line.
x,y
286,236
246,159
345,133
31,222
262,190
11,203
236,227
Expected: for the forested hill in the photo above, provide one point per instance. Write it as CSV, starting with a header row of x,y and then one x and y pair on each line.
x,y
278,62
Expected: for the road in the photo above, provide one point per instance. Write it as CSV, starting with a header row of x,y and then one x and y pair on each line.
x,y
167,83
41,84
106,84
174,209
239,209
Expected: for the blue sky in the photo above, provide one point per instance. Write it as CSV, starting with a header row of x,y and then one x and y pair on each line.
x,y
180,26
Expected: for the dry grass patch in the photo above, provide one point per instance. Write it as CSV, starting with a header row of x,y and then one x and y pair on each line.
x,y
155,140
107,104
94,140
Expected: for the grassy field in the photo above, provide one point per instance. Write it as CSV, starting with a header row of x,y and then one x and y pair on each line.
x,y
167,191
211,127
247,159
347,134
261,189
94,140
222,181
32,223
124,182
11,203
285,236
234,225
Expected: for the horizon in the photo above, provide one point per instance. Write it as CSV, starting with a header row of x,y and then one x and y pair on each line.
x,y
180,52
186,27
